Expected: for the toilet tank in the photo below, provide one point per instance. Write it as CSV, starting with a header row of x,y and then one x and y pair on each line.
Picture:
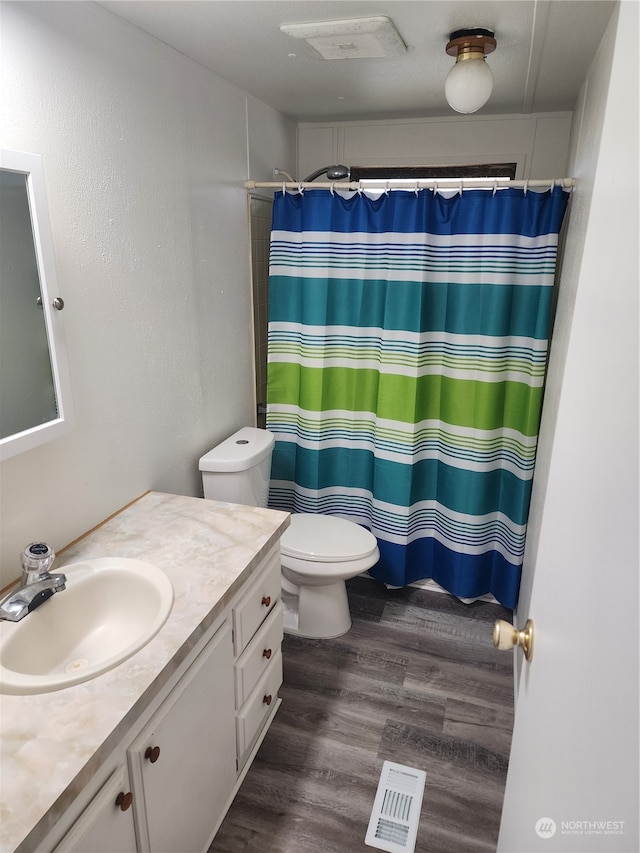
x,y
238,470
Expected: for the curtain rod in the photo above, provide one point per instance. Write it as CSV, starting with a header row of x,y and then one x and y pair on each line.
x,y
409,184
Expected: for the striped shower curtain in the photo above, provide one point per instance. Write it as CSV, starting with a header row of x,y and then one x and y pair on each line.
x,y
407,351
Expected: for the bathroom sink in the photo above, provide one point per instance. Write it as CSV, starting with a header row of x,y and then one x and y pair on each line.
x,y
111,608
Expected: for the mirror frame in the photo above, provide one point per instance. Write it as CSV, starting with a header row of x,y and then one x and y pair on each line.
x,y
31,166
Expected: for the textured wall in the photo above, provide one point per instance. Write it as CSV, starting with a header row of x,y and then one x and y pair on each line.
x,y
145,154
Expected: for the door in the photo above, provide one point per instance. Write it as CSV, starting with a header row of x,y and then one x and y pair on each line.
x,y
184,762
106,825
573,775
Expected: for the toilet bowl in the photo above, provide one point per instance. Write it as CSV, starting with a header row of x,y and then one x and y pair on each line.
x,y
318,553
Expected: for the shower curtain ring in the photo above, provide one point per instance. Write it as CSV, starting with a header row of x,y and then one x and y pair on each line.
x,y
417,188
331,187
461,182
435,188
300,189
495,187
283,188
526,186
386,189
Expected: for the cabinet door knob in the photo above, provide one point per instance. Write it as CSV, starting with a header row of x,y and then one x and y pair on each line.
x,y
124,800
266,600
152,753
267,699
266,654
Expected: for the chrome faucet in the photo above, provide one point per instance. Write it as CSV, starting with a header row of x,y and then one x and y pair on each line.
x,y
36,584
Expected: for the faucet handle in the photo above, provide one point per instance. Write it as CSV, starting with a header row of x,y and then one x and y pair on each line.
x,y
37,558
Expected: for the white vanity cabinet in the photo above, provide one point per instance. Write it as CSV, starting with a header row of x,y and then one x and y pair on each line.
x,y
183,765
183,761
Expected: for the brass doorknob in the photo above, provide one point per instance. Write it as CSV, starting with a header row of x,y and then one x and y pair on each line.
x,y
505,636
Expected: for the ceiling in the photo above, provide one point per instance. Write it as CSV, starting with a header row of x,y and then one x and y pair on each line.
x,y
543,53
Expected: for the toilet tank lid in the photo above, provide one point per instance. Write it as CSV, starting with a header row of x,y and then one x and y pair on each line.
x,y
240,451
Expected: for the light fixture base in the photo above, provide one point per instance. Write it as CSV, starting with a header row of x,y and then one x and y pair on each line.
x,y
476,40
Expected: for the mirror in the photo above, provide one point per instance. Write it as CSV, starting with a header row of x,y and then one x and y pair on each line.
x,y
35,401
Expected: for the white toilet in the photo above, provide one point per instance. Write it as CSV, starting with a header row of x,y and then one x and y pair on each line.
x,y
318,552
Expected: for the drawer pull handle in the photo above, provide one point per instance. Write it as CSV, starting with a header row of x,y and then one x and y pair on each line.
x,y
266,600
266,654
124,800
267,699
152,753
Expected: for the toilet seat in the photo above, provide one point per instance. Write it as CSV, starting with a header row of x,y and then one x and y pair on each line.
x,y
326,539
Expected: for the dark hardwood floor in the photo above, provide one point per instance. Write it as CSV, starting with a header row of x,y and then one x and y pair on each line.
x,y
415,681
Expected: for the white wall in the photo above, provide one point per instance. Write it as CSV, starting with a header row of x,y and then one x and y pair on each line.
x,y
145,155
538,143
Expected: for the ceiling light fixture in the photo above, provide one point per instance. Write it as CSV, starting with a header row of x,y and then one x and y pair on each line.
x,y
469,83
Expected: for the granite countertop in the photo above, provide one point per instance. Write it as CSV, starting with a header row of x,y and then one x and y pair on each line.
x,y
52,743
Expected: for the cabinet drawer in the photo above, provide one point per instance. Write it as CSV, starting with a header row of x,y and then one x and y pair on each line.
x,y
250,612
255,659
258,706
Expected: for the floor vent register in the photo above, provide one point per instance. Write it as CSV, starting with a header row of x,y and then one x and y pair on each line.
x,y
393,825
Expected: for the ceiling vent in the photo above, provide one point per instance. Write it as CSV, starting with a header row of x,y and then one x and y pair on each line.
x,y
358,38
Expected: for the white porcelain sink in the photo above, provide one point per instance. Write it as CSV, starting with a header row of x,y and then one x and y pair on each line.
x,y
111,608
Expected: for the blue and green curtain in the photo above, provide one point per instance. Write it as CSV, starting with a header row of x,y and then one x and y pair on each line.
x,y
408,340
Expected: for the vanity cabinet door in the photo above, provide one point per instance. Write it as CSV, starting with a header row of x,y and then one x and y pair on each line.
x,y
183,765
106,825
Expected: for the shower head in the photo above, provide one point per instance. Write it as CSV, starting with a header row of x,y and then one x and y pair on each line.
x,y
338,173
333,173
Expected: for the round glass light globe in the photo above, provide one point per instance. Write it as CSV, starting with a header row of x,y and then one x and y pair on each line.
x,y
468,85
